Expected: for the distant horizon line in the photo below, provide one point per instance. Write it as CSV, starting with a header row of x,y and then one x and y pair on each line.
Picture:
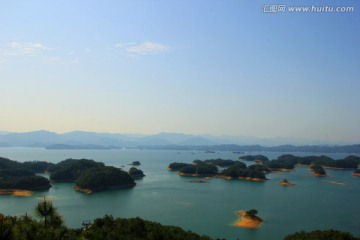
x,y
287,138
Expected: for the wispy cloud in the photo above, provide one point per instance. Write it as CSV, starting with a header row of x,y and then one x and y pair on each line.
x,y
143,48
20,48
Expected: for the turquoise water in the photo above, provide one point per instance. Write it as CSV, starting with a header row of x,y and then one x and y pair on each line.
x,y
207,208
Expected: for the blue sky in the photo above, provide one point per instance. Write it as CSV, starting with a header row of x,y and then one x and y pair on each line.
x,y
201,67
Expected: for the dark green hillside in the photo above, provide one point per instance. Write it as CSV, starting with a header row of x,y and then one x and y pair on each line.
x,y
101,178
217,162
321,235
176,166
254,157
16,175
136,173
50,226
71,169
318,170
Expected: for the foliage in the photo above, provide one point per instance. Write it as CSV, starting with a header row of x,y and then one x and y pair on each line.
x,y
100,178
240,170
220,162
353,158
254,157
16,175
37,166
280,164
188,169
108,228
201,169
69,170
176,166
318,170
136,173
136,163
206,169
105,228
321,235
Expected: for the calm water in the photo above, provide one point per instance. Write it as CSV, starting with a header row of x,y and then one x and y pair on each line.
x,y
209,208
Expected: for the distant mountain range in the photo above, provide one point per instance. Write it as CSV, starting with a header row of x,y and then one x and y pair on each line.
x,y
173,141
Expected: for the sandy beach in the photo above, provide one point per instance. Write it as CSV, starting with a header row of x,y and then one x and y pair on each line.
x,y
287,183
246,221
16,192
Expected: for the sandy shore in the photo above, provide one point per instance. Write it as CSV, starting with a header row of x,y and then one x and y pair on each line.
x,y
252,179
286,183
84,190
319,175
246,221
16,192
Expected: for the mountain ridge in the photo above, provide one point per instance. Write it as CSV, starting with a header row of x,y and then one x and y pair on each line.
x,y
175,141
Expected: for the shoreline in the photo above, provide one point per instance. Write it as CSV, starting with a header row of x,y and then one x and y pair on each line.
x,y
89,191
319,175
16,192
247,222
221,176
286,183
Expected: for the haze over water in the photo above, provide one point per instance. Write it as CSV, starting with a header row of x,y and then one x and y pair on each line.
x,y
208,208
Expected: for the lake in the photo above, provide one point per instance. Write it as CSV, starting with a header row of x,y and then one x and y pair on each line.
x,y
205,208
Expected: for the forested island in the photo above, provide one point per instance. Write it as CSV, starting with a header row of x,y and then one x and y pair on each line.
x,y
233,169
16,176
136,173
88,175
289,161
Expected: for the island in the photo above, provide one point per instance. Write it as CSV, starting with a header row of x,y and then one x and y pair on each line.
x,y
285,182
248,219
90,176
20,179
136,173
209,168
318,171
103,178
135,163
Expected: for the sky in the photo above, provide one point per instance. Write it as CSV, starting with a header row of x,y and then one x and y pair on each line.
x,y
199,67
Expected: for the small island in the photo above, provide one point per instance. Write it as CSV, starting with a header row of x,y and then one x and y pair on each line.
x,y
135,163
357,173
136,173
248,219
318,171
103,178
285,182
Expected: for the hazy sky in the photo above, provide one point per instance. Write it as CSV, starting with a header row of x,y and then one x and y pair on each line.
x,y
203,67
